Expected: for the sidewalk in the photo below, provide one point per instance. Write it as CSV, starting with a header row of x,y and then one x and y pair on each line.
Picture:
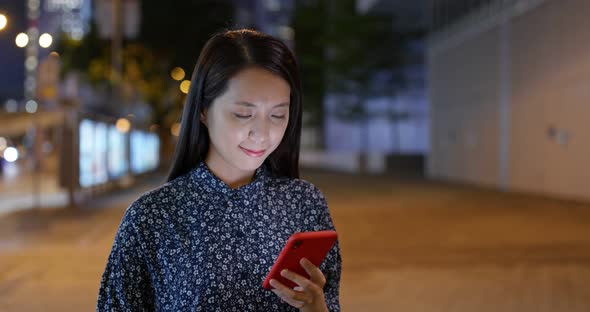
x,y
52,259
407,245
17,190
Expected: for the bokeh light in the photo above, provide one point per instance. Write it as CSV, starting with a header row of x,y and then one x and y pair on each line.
x,y
3,21
184,86
177,73
11,105
31,63
11,154
123,125
31,106
45,40
22,40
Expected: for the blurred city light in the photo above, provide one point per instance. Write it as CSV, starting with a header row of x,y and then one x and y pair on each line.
x,y
10,154
175,130
123,125
286,32
22,40
33,4
177,73
31,106
31,63
30,83
45,40
184,85
3,21
11,105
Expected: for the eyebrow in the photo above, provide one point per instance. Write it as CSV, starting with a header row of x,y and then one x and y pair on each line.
x,y
248,104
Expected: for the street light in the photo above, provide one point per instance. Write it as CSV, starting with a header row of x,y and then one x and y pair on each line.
x,y
3,21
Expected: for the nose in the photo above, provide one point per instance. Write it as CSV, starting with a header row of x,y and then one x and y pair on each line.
x,y
259,132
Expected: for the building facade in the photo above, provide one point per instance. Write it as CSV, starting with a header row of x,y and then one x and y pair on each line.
x,y
508,88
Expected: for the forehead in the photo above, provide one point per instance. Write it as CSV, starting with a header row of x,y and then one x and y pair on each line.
x,y
258,87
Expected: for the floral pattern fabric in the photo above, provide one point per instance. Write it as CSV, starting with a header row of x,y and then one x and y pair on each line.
x,y
195,244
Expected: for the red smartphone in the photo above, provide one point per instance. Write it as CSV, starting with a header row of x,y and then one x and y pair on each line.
x,y
311,245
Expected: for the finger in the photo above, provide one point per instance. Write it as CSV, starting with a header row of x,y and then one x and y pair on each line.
x,y
299,280
286,292
314,272
294,303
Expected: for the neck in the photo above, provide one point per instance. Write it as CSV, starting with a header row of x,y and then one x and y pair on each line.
x,y
231,176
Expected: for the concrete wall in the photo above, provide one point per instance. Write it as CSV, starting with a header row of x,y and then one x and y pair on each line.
x,y
464,111
551,89
510,103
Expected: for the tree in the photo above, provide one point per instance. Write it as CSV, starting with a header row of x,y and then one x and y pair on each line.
x,y
343,52
309,40
363,54
172,33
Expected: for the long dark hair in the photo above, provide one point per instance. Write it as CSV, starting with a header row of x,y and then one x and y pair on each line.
x,y
223,56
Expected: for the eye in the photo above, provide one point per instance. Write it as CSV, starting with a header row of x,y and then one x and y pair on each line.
x,y
242,116
279,117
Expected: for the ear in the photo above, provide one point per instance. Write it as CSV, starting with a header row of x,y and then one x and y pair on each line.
x,y
203,117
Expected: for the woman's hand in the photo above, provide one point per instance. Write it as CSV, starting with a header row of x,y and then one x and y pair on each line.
x,y
309,295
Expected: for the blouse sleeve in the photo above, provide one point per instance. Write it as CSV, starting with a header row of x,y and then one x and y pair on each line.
x,y
332,265
125,284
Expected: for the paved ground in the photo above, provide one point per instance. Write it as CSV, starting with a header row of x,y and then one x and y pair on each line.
x,y
20,189
408,245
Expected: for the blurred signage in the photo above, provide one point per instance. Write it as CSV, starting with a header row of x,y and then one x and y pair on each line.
x,y
130,15
117,153
93,153
63,5
103,152
70,16
145,151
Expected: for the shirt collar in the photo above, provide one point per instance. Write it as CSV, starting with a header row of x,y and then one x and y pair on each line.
x,y
203,176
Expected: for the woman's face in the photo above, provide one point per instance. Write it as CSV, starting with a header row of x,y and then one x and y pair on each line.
x,y
248,121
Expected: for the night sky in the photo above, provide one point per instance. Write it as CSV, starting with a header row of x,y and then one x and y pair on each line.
x,y
12,71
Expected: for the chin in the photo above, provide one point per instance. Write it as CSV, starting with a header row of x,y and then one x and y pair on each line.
x,y
248,163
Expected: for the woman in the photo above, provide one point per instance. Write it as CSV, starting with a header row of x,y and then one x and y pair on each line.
x,y
206,239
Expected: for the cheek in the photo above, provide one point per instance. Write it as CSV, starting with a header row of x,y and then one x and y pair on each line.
x,y
235,133
225,132
277,133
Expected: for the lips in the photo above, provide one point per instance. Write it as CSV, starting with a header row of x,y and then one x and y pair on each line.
x,y
257,153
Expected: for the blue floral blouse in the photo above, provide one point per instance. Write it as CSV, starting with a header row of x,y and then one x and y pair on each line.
x,y
195,244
